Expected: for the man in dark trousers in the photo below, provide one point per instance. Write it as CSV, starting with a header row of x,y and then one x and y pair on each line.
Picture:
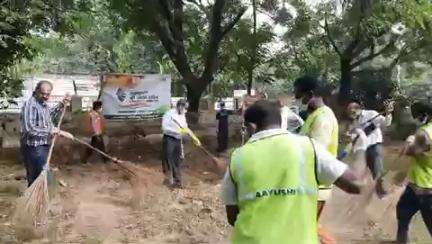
x,y
418,193
173,127
37,128
222,133
94,124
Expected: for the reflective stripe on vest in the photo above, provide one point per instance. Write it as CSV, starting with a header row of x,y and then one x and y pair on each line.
x,y
276,189
420,171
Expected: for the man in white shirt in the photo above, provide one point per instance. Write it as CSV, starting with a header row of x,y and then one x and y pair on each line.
x,y
174,125
264,119
371,122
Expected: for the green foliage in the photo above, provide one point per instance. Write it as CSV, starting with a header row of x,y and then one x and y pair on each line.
x,y
18,20
245,52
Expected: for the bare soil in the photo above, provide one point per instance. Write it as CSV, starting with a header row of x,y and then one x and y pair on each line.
x,y
95,203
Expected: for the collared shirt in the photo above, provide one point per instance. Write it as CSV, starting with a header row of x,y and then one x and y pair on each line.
x,y
36,122
290,120
169,125
328,168
378,120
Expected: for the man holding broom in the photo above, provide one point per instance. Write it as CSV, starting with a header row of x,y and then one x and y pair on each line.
x,y
37,128
174,128
371,122
418,192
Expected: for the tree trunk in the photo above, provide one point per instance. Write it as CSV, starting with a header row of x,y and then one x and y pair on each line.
x,y
346,79
195,90
253,58
249,82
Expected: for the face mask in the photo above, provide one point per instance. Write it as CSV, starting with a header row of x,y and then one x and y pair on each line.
x,y
298,103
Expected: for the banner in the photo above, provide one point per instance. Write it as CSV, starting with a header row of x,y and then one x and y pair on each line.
x,y
135,96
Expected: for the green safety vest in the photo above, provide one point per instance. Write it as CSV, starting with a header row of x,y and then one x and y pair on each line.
x,y
276,191
306,129
420,171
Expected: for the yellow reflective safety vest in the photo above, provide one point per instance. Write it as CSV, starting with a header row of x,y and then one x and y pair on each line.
x,y
323,113
276,190
420,171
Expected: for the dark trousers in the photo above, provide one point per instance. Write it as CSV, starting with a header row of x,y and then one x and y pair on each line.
x,y
222,138
171,158
97,142
409,204
35,158
374,160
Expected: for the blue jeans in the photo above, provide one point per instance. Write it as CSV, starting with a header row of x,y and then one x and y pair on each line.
x,y
34,160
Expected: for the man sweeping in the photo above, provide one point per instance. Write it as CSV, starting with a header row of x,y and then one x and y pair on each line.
x,y
270,188
371,122
37,128
321,125
418,192
94,128
174,127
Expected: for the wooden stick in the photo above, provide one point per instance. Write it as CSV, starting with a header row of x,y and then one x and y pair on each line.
x,y
51,149
115,160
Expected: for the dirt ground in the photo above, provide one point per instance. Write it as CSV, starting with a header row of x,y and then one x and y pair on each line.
x,y
95,203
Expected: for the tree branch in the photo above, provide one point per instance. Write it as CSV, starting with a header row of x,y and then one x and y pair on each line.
x,y
332,42
178,58
233,22
405,52
373,55
200,6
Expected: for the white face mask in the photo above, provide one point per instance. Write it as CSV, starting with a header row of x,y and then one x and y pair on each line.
x,y
299,104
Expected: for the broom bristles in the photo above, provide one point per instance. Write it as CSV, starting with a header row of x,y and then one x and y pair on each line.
x,y
33,205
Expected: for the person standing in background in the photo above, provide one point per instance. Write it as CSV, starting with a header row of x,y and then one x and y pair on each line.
x,y
94,127
223,132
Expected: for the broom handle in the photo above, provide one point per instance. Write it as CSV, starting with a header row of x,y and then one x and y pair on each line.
x,y
95,149
115,160
200,147
51,149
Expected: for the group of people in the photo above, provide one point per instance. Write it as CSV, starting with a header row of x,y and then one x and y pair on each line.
x,y
281,177
277,183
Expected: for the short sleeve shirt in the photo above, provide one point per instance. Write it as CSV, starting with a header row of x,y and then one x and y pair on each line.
x,y
328,169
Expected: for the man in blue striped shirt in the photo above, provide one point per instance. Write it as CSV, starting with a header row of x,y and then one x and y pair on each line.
x,y
37,128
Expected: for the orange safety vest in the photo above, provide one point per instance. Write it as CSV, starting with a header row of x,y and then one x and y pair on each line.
x,y
93,123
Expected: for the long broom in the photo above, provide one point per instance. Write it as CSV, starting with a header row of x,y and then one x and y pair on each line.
x,y
132,172
126,166
33,205
217,163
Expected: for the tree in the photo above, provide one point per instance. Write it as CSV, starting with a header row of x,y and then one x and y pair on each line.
x,y
360,31
168,20
246,55
18,19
